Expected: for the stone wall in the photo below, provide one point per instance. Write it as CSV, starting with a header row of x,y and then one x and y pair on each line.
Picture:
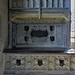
x,y
3,22
3,29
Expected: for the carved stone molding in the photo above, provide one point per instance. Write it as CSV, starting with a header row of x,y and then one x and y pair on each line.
x,y
40,62
44,18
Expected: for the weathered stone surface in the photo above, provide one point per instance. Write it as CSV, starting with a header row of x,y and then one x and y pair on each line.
x,y
4,22
38,26
39,3
39,62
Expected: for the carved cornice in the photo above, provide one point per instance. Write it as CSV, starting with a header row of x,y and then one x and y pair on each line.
x,y
37,18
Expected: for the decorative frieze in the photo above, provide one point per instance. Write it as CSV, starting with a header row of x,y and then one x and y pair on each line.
x,y
43,62
40,3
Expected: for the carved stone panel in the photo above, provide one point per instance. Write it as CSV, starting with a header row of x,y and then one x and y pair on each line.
x,y
39,63
39,3
39,35
18,63
73,63
62,63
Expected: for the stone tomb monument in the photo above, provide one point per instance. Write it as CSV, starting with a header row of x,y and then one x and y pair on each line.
x,y
39,38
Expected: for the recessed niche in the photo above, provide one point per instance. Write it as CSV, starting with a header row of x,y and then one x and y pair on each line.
x,y
18,62
26,28
52,38
51,28
40,63
61,62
